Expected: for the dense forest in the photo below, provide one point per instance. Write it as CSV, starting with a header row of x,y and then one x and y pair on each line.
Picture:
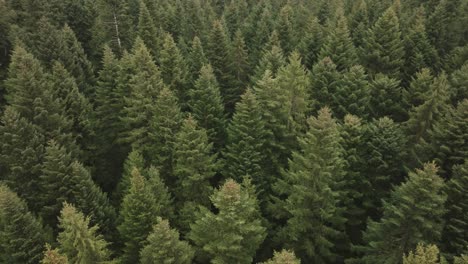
x,y
234,131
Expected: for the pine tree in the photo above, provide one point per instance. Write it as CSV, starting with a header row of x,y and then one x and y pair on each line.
x,y
245,155
423,254
353,94
164,246
240,69
147,30
454,239
174,70
145,86
338,46
207,107
386,98
53,256
311,187
79,241
22,236
412,215
324,82
165,123
235,232
138,214
283,257
383,50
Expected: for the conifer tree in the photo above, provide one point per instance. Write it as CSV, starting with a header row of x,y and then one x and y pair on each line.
x,y
174,70
459,83
412,215
240,69
165,123
285,30
311,186
246,142
454,239
311,43
383,50
134,160
423,254
22,236
79,241
145,86
353,94
324,82
53,256
272,60
161,193
164,246
235,232
138,213
194,166
196,58
147,29
359,22
386,98
419,88
339,46
207,107
283,257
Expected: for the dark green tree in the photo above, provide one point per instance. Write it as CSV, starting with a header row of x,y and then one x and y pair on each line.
x,y
79,241
22,236
323,85
207,107
412,215
196,58
311,43
459,82
164,246
285,28
147,30
272,60
234,234
240,69
419,89
353,94
387,98
134,160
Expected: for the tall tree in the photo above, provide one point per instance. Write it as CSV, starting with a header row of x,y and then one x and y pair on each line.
x,y
133,160
240,69
164,246
323,85
79,241
412,215
196,58
419,88
311,43
353,94
147,30
386,98
383,50
207,106
272,60
235,232
22,236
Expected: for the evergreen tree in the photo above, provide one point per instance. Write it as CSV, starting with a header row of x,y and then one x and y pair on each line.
x,y
194,166
311,43
339,46
459,83
246,142
134,160
386,98
412,215
164,246
324,82
383,50
285,30
454,239
353,94
240,69
235,232
419,88
196,58
423,254
161,193
207,107
147,30
22,236
165,123
174,70
359,22
79,241
138,213
272,60
283,257
311,186
53,256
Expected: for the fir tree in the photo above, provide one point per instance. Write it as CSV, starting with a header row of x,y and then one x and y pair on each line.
x,y
283,257
134,160
311,187
459,82
413,214
235,232
79,241
324,82
353,94
423,254
161,193
454,239
53,256
339,46
164,246
311,43
386,98
246,143
207,107
383,50
196,58
419,88
272,60
285,30
240,69
22,236
138,214
147,30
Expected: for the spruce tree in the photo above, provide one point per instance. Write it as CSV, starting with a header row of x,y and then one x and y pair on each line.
x,y
196,58
234,233
386,98
240,69
459,82
164,246
22,236
134,160
79,241
284,27
147,30
413,214
338,46
353,94
161,193
323,85
207,107
383,50
138,213
422,254
272,60
311,186
419,88
53,256
283,257
454,239
246,144
311,43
